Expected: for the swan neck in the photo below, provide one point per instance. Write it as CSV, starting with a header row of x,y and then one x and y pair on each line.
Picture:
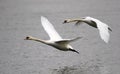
x,y
38,40
74,20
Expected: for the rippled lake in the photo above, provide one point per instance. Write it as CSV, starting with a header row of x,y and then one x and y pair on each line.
x,y
21,18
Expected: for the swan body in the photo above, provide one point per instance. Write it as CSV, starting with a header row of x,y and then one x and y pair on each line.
x,y
102,27
55,39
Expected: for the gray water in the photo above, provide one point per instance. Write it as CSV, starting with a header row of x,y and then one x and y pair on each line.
x,y
20,18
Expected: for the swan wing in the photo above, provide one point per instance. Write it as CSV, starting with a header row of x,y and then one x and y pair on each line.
x,y
50,29
66,41
103,30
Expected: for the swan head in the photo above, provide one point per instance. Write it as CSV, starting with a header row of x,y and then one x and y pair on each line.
x,y
67,21
29,38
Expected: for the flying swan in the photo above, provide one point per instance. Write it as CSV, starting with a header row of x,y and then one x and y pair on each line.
x,y
102,27
55,39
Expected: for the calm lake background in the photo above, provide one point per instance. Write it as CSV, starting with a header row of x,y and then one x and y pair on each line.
x,y
21,18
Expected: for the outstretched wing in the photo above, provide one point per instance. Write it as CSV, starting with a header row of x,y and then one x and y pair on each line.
x,y
50,29
103,30
66,41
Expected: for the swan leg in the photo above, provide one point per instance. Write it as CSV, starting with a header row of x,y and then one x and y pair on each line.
x,y
73,50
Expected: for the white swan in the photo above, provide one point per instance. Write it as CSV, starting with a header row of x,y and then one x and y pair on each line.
x,y
102,27
55,39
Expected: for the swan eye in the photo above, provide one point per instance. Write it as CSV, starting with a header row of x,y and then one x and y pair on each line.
x,y
27,37
65,21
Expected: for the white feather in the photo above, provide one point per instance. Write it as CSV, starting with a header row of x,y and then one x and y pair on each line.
x,y
50,29
103,29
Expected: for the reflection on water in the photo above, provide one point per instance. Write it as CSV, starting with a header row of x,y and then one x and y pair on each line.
x,y
89,67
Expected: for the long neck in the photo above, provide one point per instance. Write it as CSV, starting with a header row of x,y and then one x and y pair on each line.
x,y
74,20
38,40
